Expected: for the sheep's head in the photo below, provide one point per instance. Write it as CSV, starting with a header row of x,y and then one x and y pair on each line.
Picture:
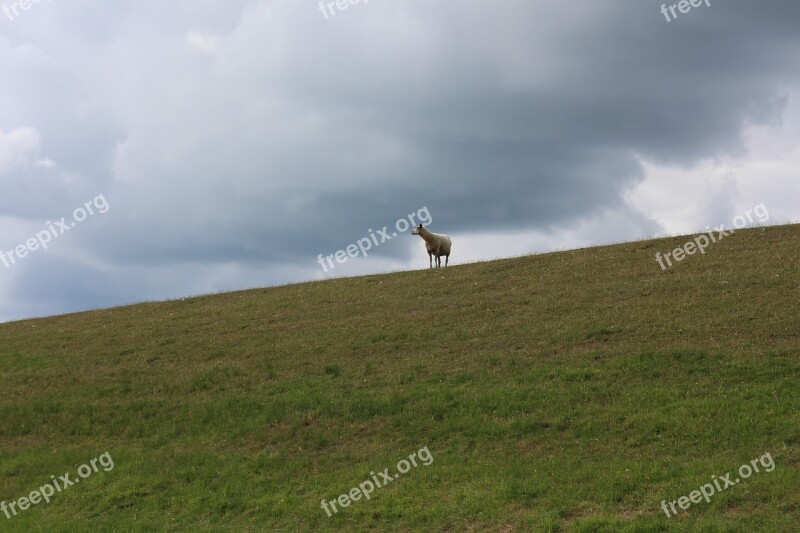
x,y
416,230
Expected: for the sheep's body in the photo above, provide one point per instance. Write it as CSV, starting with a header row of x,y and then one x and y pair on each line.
x,y
437,245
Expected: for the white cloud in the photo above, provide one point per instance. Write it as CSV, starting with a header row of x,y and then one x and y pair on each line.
x,y
685,200
45,163
202,43
17,145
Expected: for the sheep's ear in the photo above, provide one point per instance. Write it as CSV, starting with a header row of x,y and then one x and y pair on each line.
x,y
420,225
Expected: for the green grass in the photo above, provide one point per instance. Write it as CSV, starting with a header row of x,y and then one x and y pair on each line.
x,y
562,392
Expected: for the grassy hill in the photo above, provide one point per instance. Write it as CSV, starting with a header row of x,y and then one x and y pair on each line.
x,y
571,391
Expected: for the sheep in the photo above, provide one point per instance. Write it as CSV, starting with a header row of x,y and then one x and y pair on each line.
x,y
438,245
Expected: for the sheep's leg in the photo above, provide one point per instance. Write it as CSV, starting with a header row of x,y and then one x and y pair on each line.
x,y
446,259
430,259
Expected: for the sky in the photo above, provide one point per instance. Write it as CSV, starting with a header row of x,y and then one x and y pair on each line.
x,y
153,150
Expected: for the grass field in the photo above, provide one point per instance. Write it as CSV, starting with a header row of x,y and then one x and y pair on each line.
x,y
571,391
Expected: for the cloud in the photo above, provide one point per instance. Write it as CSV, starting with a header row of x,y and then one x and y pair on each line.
x,y
686,199
16,146
202,43
45,163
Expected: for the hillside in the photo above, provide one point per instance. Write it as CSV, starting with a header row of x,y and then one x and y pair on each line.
x,y
571,391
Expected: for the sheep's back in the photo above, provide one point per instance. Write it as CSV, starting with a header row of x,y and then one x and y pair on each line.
x,y
445,243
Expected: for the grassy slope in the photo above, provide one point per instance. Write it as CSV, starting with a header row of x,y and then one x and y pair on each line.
x,y
562,392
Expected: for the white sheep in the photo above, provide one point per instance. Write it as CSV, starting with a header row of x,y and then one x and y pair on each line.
x,y
438,245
